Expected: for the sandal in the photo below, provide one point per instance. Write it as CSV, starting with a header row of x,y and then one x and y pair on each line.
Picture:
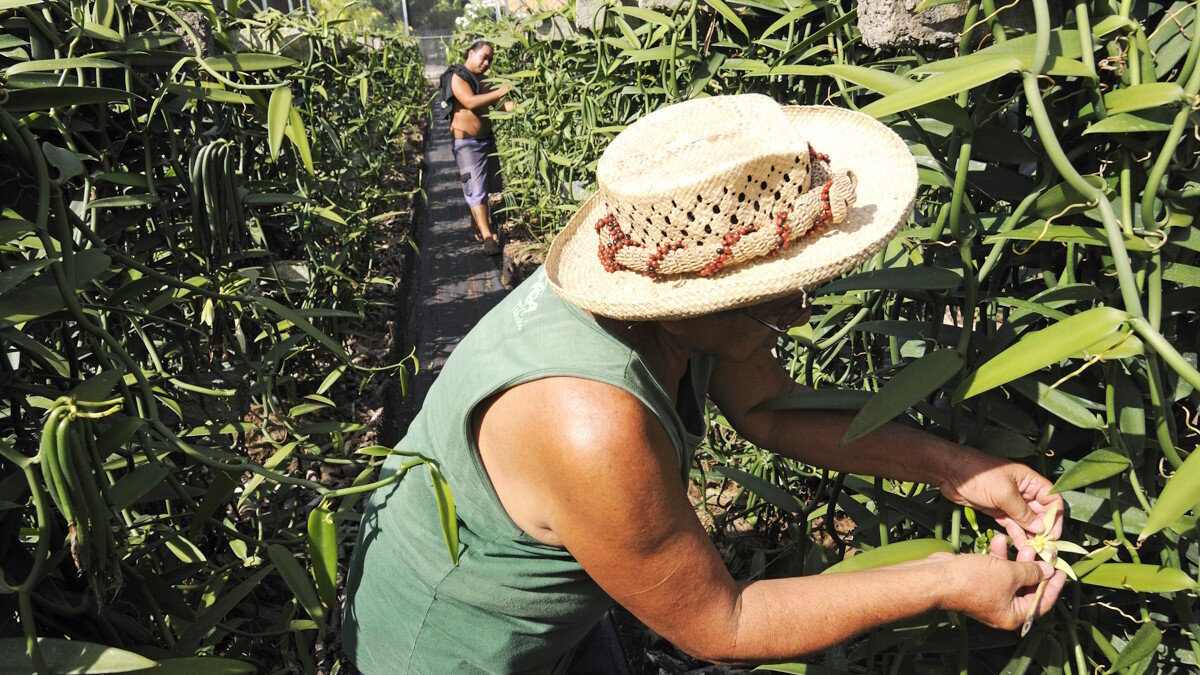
x,y
491,246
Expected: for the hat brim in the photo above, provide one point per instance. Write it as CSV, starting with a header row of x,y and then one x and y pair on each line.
x,y
887,186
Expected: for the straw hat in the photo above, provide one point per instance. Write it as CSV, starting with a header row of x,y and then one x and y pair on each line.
x,y
731,201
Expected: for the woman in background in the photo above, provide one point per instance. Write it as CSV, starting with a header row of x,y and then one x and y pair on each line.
x,y
474,146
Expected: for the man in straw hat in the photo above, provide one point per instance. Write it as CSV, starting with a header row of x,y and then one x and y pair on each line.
x,y
566,421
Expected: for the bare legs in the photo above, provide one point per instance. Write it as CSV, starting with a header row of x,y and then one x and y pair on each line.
x,y
479,213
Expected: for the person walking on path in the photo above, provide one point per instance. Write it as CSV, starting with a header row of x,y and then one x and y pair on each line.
x,y
473,144
567,421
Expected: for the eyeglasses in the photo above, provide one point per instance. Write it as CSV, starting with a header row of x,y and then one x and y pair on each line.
x,y
796,313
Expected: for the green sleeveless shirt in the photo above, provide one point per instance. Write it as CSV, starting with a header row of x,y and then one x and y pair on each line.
x,y
512,604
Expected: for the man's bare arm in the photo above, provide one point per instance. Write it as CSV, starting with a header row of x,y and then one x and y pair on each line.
x,y
472,101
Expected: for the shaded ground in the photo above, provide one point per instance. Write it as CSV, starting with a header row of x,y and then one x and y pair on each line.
x,y
458,283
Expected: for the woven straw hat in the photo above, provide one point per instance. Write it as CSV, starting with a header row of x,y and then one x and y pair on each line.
x,y
731,201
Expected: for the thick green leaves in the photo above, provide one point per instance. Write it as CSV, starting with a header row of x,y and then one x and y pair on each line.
x,y
1094,468
1042,348
916,381
248,62
888,83
299,138
771,493
1057,403
285,312
298,581
278,111
947,84
70,656
1073,234
45,98
729,15
1181,493
135,484
1142,96
1131,123
902,551
60,64
1140,577
1141,646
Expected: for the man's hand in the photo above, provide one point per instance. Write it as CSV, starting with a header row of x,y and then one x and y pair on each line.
x,y
1015,495
998,592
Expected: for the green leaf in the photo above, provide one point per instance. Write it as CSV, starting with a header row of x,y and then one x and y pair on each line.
x,y
135,484
118,434
902,551
1181,493
771,493
942,86
303,324
647,15
916,381
299,138
43,65
10,278
202,665
1132,123
729,15
1095,467
70,656
1140,578
1142,96
1140,647
1057,403
298,581
1072,234
887,83
1063,199
322,549
817,399
446,511
98,386
191,637
1041,348
210,92
123,201
788,19
1063,49
912,278
277,118
184,549
248,62
67,162
30,302
1179,273
800,668
45,98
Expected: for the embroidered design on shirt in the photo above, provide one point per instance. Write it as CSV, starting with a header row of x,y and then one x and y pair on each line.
x,y
530,303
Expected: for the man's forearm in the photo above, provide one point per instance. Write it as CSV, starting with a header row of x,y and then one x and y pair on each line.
x,y
892,451
780,619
